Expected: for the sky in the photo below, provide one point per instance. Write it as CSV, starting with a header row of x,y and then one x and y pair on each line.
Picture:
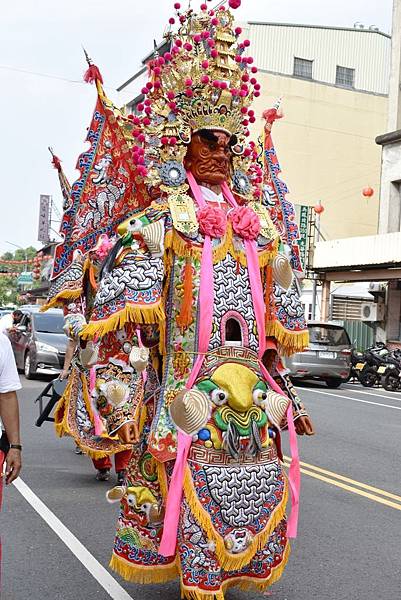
x,y
54,108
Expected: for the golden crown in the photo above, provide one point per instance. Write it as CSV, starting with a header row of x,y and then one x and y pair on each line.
x,y
204,81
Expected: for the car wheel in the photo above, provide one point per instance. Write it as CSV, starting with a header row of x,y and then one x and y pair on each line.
x,y
28,372
334,382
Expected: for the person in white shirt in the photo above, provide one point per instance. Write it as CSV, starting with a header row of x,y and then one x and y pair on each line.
x,y
9,413
10,320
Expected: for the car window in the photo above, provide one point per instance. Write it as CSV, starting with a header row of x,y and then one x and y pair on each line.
x,y
48,323
329,336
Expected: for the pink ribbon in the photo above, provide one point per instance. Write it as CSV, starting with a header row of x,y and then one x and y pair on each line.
x,y
294,473
97,420
168,542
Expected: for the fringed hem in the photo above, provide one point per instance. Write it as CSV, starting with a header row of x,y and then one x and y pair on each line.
x,y
243,583
289,341
141,574
59,299
129,314
231,562
185,249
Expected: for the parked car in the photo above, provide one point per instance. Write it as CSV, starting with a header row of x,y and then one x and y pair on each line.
x,y
327,358
39,342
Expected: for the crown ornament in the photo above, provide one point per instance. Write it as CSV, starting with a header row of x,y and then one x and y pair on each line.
x,y
205,81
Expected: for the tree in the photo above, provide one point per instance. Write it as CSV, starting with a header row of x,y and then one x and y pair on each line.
x,y
9,291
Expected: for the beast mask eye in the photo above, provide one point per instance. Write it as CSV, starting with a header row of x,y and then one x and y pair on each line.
x,y
219,397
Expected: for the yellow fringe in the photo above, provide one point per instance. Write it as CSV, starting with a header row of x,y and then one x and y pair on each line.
x,y
231,562
181,248
162,478
243,583
129,314
289,341
140,574
60,298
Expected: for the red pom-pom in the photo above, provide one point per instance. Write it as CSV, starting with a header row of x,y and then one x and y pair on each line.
x,y
238,58
140,107
205,64
168,56
214,21
56,162
164,140
205,34
203,6
189,93
171,20
205,79
170,95
177,6
188,46
256,94
172,141
247,43
178,43
188,82
234,4
238,31
93,74
254,69
197,38
214,53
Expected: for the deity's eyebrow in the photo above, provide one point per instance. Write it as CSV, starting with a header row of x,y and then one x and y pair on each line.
x,y
208,135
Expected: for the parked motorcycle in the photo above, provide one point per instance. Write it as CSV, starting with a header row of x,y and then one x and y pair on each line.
x,y
392,378
374,364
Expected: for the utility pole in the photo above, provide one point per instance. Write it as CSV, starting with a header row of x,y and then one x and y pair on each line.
x,y
394,96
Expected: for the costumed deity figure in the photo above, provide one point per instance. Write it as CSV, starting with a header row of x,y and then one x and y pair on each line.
x,y
193,305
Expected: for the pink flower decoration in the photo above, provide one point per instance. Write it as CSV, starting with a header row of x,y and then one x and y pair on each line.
x,y
212,221
104,246
245,222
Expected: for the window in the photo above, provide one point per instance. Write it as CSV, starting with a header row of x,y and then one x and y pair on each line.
x,y
345,76
303,68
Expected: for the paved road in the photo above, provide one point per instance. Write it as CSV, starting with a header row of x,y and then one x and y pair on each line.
x,y
349,537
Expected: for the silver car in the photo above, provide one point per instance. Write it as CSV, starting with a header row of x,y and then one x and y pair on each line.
x,y
327,358
39,342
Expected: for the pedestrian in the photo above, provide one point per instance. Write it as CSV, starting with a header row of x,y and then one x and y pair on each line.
x,y
10,320
10,447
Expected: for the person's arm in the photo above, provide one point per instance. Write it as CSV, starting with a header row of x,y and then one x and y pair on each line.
x,y
9,414
69,353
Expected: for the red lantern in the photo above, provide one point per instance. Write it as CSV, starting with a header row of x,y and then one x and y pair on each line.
x,y
368,191
318,208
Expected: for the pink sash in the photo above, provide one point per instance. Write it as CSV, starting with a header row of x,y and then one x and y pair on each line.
x,y
206,297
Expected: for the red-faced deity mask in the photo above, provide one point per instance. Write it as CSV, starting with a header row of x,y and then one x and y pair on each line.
x,y
208,156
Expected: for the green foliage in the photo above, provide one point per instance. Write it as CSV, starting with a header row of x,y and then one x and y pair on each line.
x,y
9,291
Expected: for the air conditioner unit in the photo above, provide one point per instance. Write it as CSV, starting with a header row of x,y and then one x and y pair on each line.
x,y
372,312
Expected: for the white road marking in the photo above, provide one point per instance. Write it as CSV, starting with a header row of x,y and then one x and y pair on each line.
x,y
317,391
102,576
379,394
